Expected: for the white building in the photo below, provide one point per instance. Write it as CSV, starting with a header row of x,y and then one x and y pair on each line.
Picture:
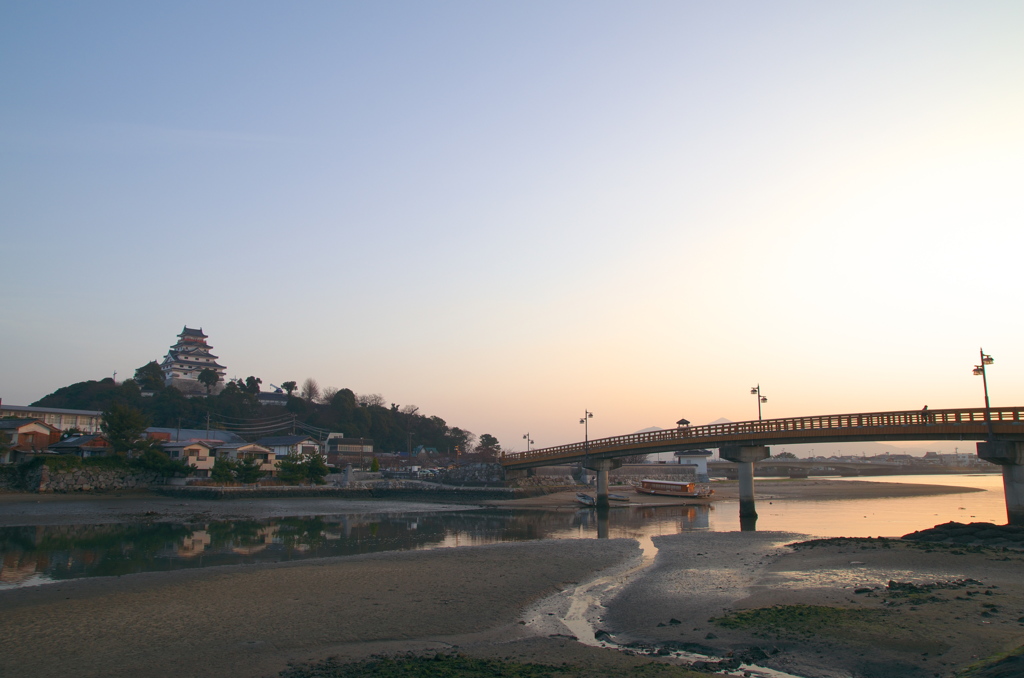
x,y
187,359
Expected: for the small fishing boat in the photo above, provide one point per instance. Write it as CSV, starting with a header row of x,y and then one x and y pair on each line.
x,y
617,497
585,499
673,488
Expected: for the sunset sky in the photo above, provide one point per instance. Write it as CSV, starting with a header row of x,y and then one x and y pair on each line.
x,y
509,212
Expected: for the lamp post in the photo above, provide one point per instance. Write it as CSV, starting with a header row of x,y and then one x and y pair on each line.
x,y
528,441
587,414
980,369
756,390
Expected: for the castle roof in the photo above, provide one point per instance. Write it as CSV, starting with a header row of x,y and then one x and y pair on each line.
x,y
189,332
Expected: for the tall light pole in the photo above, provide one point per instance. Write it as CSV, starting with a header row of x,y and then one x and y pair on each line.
x,y
980,369
756,390
587,414
528,441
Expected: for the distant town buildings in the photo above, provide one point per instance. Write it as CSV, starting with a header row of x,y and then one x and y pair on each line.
x,y
187,359
84,421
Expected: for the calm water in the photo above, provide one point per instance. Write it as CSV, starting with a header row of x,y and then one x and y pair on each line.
x,y
38,555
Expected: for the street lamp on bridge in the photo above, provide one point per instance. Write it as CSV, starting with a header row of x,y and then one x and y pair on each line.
x,y
756,390
528,441
586,431
980,370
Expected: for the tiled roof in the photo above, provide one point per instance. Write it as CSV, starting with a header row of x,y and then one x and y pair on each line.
x,y
49,410
273,441
189,332
196,434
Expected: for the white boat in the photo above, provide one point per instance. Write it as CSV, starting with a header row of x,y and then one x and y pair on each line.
x,y
585,499
673,488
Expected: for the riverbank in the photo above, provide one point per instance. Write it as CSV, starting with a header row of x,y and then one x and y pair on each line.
x,y
822,609
865,608
145,506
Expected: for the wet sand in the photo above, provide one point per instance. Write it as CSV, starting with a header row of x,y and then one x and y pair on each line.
x,y
506,600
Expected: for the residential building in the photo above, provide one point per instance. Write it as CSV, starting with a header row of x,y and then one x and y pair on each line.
x,y
86,421
236,451
22,438
83,446
198,453
282,446
186,360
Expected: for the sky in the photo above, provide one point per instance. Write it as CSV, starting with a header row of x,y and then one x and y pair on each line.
x,y
508,214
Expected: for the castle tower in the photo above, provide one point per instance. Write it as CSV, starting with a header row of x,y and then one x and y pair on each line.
x,y
187,359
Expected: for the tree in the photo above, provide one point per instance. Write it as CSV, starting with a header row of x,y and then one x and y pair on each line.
x,y
310,390
209,379
150,377
328,395
634,459
374,465
291,469
252,385
289,386
784,455
223,470
248,471
122,426
371,399
316,468
488,443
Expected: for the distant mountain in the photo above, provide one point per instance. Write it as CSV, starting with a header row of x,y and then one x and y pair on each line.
x,y
720,420
649,429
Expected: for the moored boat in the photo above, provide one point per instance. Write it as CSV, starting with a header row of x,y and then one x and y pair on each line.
x,y
617,497
673,488
585,499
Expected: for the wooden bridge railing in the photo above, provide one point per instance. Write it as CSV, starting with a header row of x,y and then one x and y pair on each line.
x,y
730,431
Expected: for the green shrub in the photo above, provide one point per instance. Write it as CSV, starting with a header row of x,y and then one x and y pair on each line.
x,y
63,462
107,463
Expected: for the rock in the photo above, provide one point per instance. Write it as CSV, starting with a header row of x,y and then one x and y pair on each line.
x,y
710,636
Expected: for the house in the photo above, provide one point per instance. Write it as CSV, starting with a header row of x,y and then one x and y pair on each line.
x,y
236,451
86,421
282,446
198,453
23,438
83,446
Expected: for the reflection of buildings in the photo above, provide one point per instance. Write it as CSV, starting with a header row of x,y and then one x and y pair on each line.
x,y
20,568
194,544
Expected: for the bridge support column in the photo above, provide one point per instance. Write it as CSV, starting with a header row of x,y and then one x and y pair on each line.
x,y
602,466
745,457
1009,455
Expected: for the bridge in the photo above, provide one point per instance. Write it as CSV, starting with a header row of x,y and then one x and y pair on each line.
x,y
1000,430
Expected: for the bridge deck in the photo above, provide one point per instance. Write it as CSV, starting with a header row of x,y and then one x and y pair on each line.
x,y
1006,423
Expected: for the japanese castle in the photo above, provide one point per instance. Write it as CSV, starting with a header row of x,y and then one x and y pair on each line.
x,y
187,358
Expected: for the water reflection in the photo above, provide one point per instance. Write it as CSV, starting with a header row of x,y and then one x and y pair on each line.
x,y
42,554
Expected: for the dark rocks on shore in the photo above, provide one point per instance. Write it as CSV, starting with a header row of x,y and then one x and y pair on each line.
x,y
972,534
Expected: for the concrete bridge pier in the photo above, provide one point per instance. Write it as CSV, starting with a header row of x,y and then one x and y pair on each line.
x,y
601,467
1009,455
744,457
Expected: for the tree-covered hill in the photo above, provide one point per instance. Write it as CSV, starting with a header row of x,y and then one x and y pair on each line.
x,y
236,407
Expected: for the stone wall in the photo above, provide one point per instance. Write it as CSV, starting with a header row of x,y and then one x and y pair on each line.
x,y
88,479
474,475
552,481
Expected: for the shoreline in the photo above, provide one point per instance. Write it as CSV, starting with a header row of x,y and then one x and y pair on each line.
x,y
519,601
27,509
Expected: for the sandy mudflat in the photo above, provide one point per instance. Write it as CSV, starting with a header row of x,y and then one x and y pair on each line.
x,y
253,620
250,621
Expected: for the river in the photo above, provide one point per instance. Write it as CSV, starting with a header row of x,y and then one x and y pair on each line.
x,y
34,555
